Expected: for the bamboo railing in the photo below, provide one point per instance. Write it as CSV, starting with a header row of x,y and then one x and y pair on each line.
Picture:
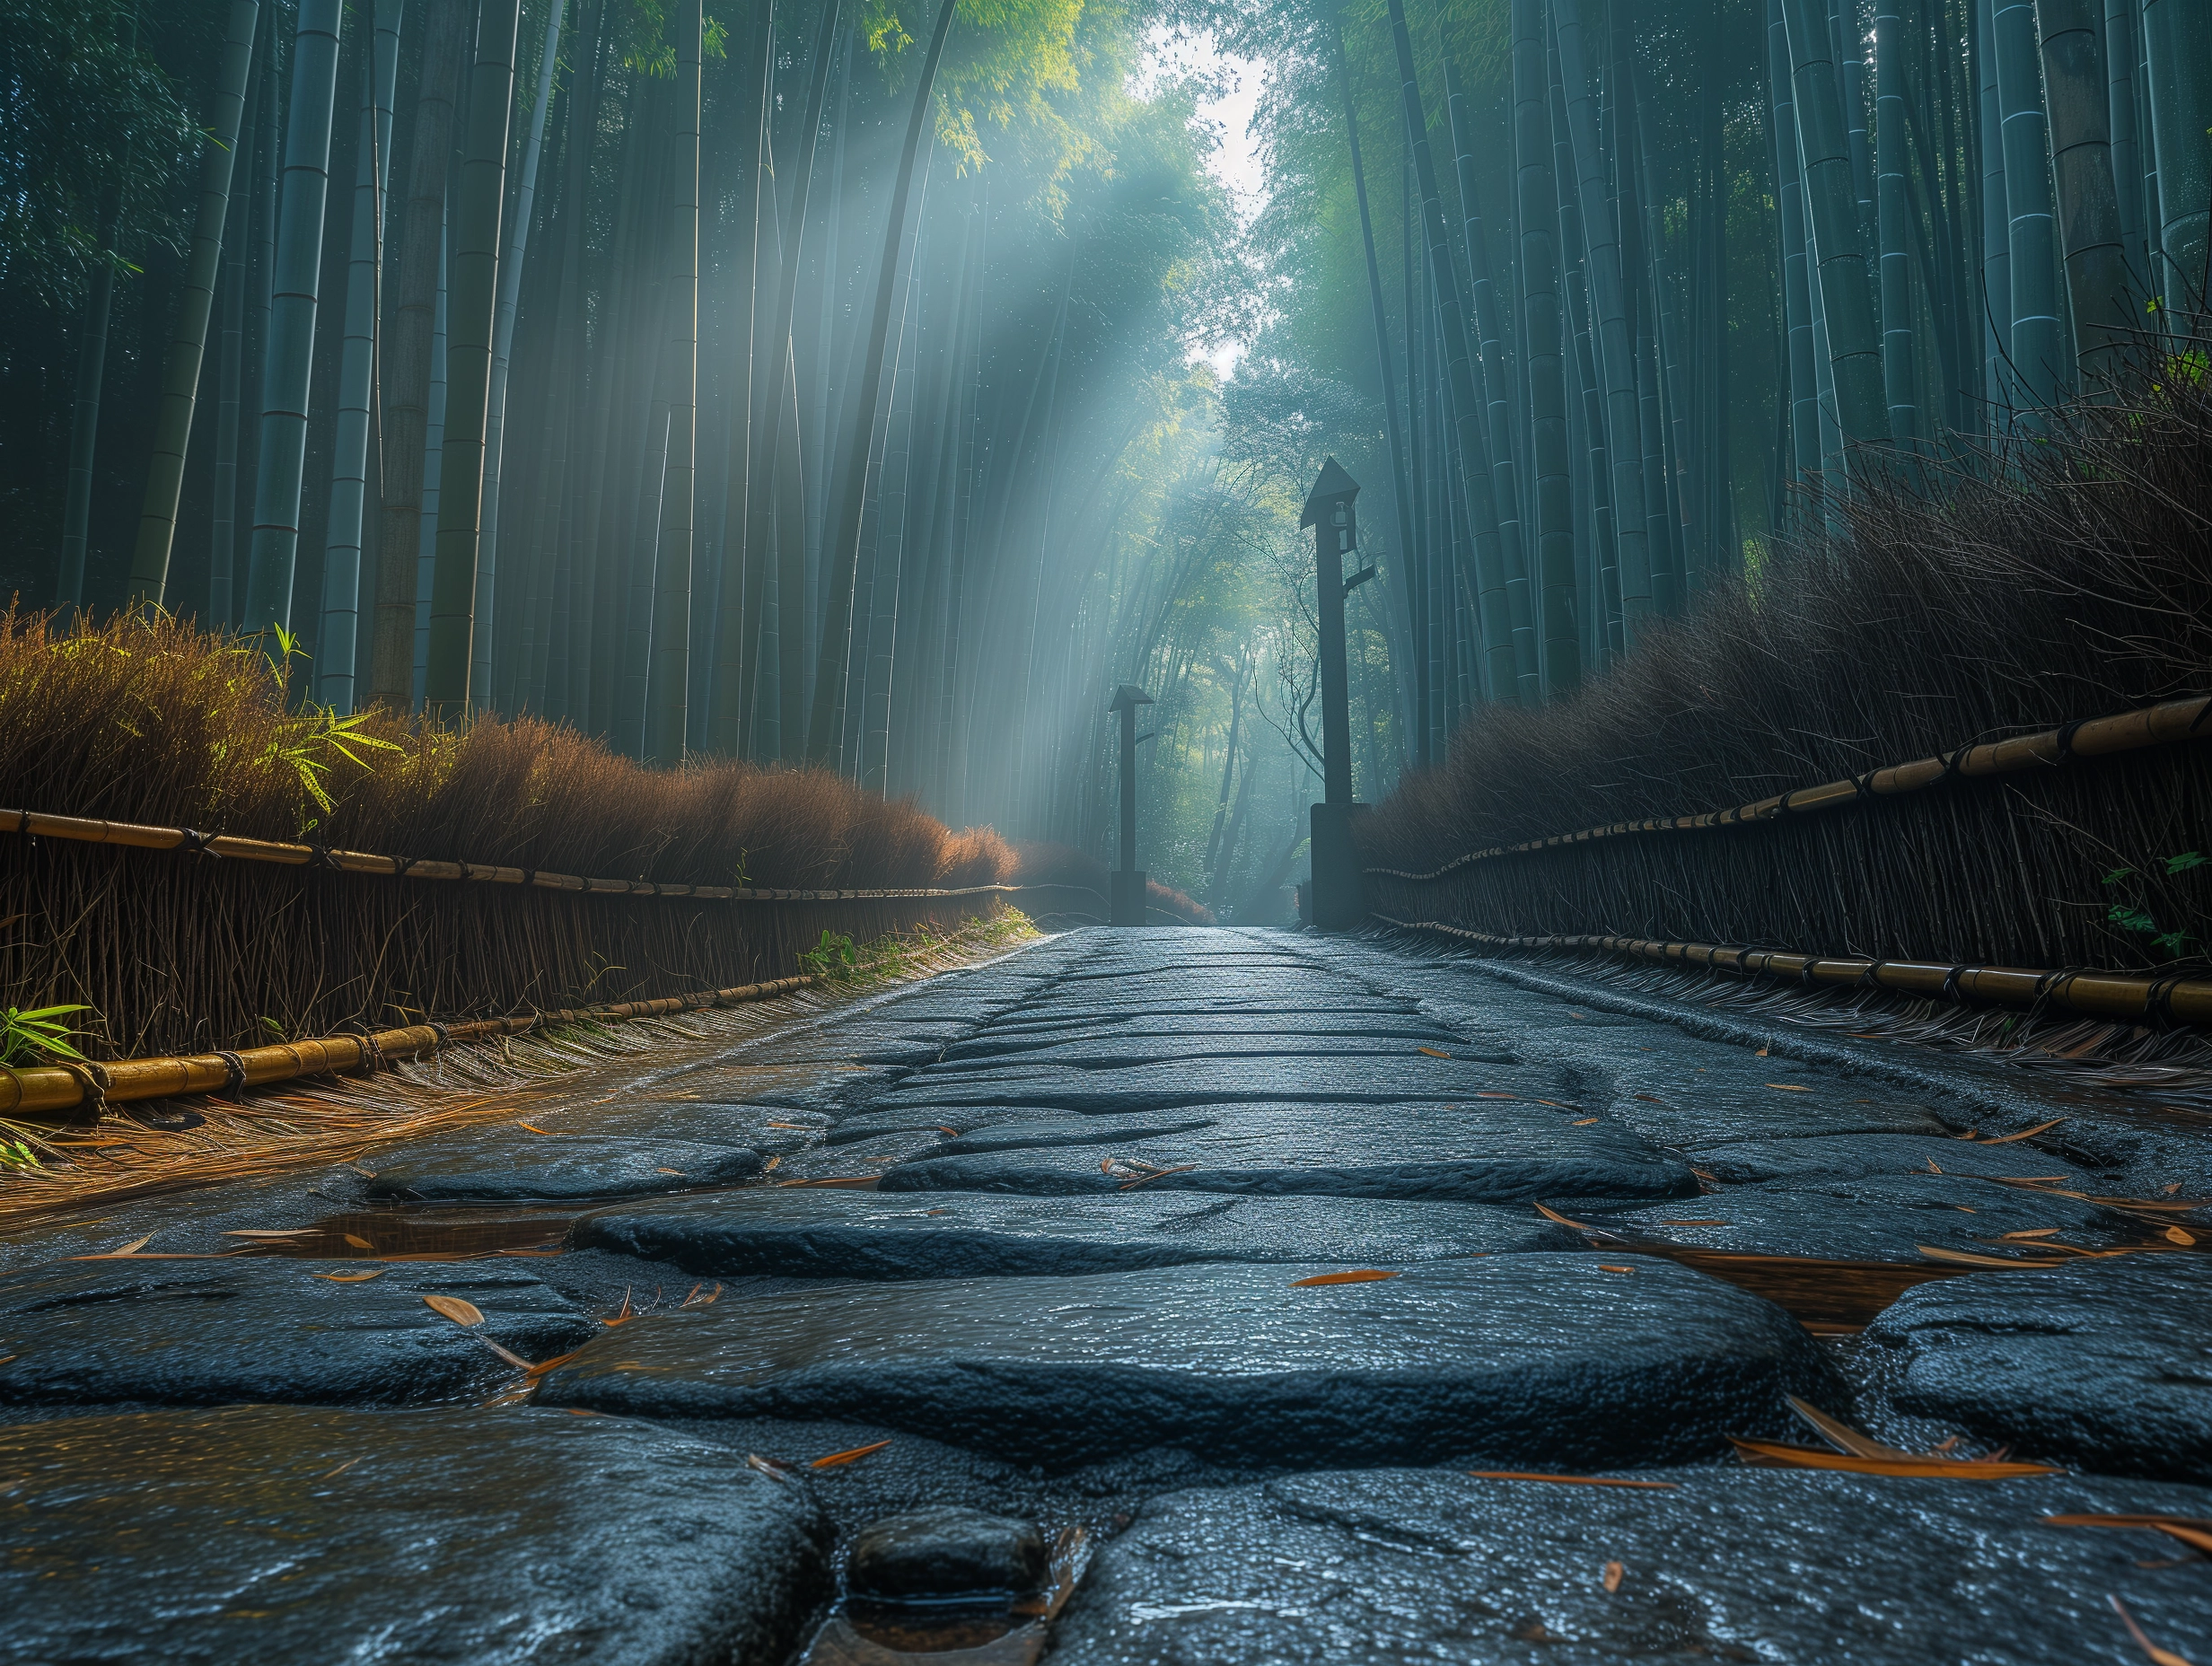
x,y
2185,719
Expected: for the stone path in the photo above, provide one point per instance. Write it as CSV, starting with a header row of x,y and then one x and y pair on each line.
x,y
1170,1296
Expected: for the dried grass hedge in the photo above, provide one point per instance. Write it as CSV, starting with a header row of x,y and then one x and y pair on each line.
x,y
2069,577
159,723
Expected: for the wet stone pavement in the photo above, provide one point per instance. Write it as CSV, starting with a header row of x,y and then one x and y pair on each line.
x,y
1186,1297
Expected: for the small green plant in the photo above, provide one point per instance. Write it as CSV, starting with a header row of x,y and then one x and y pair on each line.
x,y
2132,916
15,1154
832,956
28,1037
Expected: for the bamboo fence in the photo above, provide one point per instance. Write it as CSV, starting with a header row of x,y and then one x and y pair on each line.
x,y
2026,882
190,946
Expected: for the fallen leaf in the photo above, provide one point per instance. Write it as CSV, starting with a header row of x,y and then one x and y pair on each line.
x,y
515,1360
1963,1209
2190,1529
2159,1657
1582,1122
453,1308
1607,1268
1708,1178
1789,1087
358,1243
2006,1139
1760,1053
4,1358
341,1470
679,1173
786,1125
769,1166
954,1133
1614,1573
2036,1232
1553,1214
1566,1480
2176,1235
1572,1014
133,1247
1106,1165
1652,1098
1774,1455
769,1467
1433,1053
292,1232
622,1318
532,1128
1966,1258
2168,1191
836,1461
1157,1174
352,1278
697,1300
1932,1167
1843,1434
1362,1275
1480,1095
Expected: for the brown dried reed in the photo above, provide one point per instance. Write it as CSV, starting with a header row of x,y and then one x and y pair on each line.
x,y
159,723
2062,578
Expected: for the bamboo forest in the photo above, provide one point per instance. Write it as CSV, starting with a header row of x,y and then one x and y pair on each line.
x,y
631,628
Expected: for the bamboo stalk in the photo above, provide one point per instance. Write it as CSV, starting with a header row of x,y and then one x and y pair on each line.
x,y
2105,995
64,1087
2126,732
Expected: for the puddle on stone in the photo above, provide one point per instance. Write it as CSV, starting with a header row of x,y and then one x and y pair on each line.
x,y
419,1235
984,1629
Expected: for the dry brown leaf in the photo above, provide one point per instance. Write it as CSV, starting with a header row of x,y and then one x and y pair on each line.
x,y
2006,1139
2174,1234
358,1243
453,1308
1966,1258
1933,1168
624,1316
1435,1053
1605,1267
1566,1480
1614,1574
1480,1095
341,1470
1361,1275
1105,1165
769,1166
1157,1174
2035,1231
263,1236
2191,1530
1760,1053
1843,1434
1789,1087
1774,1455
1553,1214
679,1173
532,1128
768,1467
1651,1098
133,1247
1582,1122
2159,1657
352,1278
2168,1191
837,1460
786,1125
1708,1178
515,1360
950,1133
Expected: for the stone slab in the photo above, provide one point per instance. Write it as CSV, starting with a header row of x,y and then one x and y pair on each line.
x,y
1410,1080
1844,1156
1697,1112
1126,1051
549,1167
1513,1362
2106,1366
1498,1154
1389,1566
283,1536
877,1235
1875,1217
149,1331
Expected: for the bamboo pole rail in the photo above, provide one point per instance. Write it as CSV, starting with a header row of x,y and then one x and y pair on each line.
x,y
64,1087
138,836
2119,995
2171,720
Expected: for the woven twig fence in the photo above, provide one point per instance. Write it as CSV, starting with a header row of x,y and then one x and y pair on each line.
x,y
183,944
2070,849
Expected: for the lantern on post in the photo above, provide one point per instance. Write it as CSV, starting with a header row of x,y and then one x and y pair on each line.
x,y
1126,905
1338,901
